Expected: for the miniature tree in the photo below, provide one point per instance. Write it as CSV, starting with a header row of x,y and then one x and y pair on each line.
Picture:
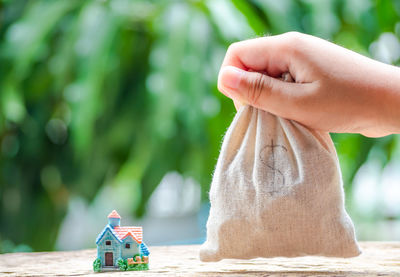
x,y
122,264
144,250
97,265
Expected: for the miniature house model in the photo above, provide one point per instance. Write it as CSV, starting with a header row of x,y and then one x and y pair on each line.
x,y
116,243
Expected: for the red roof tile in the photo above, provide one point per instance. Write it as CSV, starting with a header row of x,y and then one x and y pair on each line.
x,y
135,232
114,214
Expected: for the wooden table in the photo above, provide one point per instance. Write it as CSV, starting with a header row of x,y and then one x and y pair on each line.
x,y
378,259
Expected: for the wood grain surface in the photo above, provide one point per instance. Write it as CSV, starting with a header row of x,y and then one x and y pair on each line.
x,y
377,259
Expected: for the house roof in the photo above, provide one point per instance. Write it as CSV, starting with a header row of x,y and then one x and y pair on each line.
x,y
114,214
110,228
121,233
135,232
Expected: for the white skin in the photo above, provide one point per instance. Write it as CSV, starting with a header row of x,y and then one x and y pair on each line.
x,y
335,89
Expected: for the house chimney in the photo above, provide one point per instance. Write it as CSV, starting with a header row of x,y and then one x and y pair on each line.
x,y
114,219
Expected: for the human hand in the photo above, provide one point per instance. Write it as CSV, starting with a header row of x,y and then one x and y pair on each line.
x,y
335,89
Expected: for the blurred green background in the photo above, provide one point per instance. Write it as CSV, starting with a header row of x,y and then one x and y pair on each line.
x,y
100,99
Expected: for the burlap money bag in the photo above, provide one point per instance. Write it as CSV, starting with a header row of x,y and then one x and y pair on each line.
x,y
276,191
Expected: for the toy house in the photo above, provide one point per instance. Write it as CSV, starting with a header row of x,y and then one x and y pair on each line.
x,y
120,247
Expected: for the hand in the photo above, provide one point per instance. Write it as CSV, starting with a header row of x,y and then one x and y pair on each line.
x,y
335,89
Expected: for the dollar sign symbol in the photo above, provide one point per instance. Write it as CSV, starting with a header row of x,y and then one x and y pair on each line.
x,y
272,165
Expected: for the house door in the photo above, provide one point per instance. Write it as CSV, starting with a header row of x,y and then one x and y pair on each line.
x,y
109,259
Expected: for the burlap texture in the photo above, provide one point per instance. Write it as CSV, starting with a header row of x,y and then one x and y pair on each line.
x,y
276,191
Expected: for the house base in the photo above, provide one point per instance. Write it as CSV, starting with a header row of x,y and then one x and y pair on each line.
x,y
109,268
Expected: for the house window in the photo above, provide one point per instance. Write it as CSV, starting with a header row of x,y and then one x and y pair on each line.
x,y
108,242
127,245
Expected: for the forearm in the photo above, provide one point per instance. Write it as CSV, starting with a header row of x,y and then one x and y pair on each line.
x,y
387,99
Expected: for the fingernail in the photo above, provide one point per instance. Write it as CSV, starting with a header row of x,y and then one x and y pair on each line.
x,y
231,77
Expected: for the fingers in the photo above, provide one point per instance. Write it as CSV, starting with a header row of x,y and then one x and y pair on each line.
x,y
249,74
261,91
266,54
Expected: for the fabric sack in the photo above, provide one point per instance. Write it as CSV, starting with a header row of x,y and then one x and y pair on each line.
x,y
276,191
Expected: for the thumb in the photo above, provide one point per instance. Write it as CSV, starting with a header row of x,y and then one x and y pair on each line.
x,y
256,89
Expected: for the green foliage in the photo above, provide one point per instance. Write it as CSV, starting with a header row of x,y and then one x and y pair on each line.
x,y
136,255
97,265
137,267
122,264
117,93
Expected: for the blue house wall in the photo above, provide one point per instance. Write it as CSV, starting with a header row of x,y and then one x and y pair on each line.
x,y
129,252
114,248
